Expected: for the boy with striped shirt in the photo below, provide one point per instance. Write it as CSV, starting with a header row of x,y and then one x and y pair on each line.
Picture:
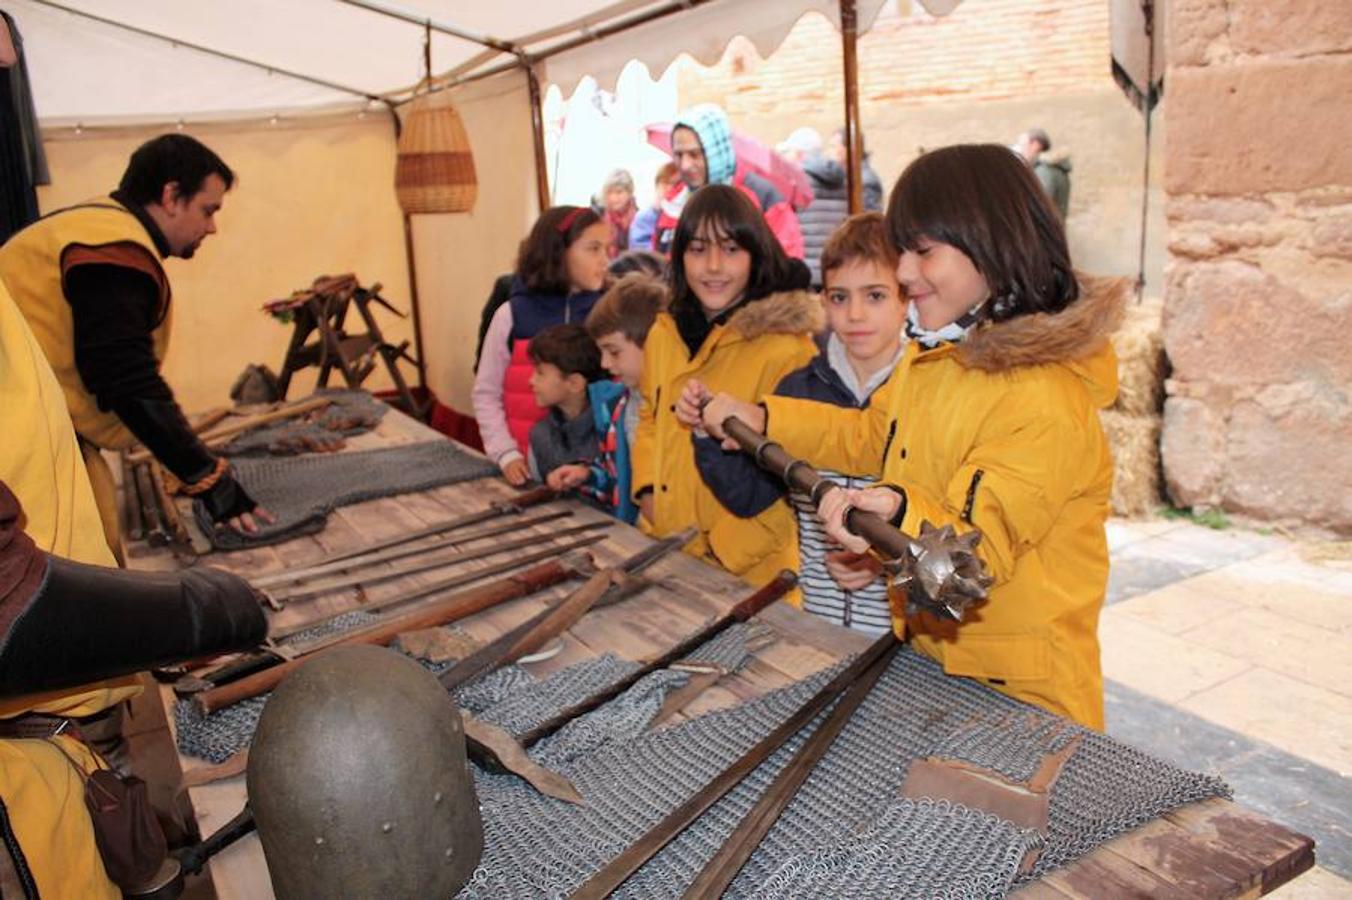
x,y
866,317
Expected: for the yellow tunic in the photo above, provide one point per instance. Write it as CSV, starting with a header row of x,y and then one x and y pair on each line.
x,y
32,266
43,795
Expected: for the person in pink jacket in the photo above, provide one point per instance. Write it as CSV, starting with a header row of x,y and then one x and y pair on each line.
x,y
560,271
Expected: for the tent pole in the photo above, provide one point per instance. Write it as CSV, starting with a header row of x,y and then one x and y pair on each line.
x,y
413,301
537,127
854,143
414,309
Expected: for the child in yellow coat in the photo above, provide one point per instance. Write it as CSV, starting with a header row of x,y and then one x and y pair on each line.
x,y
740,319
990,423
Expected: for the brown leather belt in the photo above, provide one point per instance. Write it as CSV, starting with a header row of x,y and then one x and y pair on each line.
x,y
37,726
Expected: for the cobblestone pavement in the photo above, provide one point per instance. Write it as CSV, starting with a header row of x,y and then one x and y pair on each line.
x,y
1231,652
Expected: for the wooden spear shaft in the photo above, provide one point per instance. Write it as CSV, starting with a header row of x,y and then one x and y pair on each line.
x,y
448,610
744,610
800,476
217,437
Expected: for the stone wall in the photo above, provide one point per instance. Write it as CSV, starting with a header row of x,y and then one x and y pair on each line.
x,y
1258,303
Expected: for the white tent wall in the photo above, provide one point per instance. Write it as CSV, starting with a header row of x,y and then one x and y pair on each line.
x,y
311,198
459,256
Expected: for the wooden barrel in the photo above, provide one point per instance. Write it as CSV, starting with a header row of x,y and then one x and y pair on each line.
x,y
434,171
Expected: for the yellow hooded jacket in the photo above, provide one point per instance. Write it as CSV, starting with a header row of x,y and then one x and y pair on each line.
x,y
999,433
43,795
746,357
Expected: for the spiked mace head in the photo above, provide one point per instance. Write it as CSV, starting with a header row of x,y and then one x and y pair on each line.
x,y
941,572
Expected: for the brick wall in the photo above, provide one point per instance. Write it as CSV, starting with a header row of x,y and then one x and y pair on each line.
x,y
984,73
1258,417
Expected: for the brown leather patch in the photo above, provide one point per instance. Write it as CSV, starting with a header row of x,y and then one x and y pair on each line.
x,y
127,255
1027,805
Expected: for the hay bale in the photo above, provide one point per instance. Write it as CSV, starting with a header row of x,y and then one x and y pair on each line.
x,y
1135,443
1141,364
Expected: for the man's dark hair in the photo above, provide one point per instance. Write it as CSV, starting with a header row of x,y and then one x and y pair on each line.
x,y
171,158
1043,139
727,212
569,349
540,262
987,202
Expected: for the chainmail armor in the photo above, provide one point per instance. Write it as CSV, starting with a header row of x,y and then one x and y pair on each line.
x,y
847,815
301,491
351,412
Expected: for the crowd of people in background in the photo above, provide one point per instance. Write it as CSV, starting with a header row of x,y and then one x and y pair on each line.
x,y
941,363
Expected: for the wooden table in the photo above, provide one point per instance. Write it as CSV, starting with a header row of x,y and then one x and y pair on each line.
x,y
1210,849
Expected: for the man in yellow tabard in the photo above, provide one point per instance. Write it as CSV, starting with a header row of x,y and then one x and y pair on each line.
x,y
90,283
66,627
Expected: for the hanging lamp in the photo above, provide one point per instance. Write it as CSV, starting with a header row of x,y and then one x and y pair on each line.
x,y
434,168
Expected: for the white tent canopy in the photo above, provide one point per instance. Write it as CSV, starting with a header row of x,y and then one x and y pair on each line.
x,y
136,61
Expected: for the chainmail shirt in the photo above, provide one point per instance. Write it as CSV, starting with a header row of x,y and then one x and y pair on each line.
x,y
301,491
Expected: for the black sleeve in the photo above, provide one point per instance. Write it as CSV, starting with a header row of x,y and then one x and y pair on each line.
x,y
744,488
114,311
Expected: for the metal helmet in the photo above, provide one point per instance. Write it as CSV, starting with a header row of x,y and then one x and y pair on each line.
x,y
358,781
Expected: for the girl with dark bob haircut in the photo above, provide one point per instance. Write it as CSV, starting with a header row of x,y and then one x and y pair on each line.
x,y
990,423
740,320
560,272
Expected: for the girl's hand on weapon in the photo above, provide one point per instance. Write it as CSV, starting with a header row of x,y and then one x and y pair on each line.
x,y
838,503
516,472
852,571
693,397
717,410
248,522
645,507
567,477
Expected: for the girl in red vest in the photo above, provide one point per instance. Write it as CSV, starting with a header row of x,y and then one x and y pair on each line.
x,y
560,271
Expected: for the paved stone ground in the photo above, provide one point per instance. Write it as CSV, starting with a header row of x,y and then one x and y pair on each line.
x,y
1231,652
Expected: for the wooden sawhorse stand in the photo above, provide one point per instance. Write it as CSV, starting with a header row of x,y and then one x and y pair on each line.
x,y
323,308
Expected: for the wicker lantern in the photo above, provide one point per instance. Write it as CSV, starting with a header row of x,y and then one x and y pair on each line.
x,y
434,172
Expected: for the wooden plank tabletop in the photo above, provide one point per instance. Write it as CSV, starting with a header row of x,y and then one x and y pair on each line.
x,y
1211,849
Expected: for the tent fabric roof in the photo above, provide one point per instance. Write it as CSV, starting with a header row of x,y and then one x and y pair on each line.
x,y
90,65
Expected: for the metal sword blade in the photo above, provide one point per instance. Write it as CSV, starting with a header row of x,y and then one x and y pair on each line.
x,y
370,579
432,589
371,558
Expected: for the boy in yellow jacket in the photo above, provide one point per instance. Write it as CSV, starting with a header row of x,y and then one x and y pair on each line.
x,y
989,423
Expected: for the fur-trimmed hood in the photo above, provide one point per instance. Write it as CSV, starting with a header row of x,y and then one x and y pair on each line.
x,y
783,312
1075,333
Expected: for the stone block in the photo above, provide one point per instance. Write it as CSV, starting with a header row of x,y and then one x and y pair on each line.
x,y
1293,27
1288,460
1222,210
1333,238
1192,28
1259,126
1232,323
1192,449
